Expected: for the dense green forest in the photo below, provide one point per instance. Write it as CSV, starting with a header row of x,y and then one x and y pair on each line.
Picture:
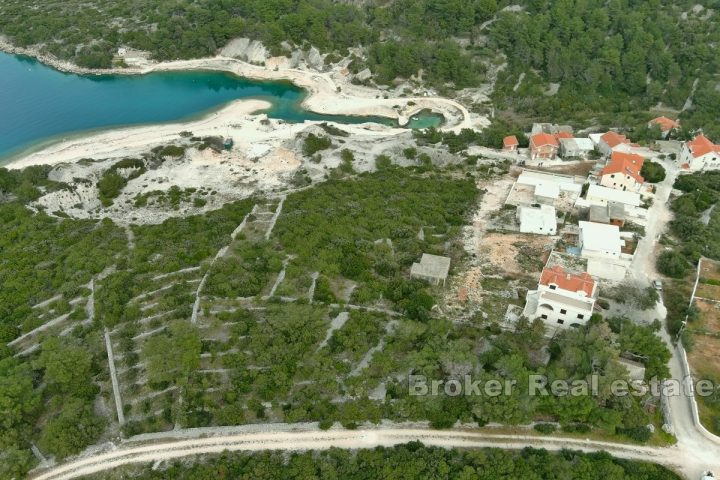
x,y
609,62
411,461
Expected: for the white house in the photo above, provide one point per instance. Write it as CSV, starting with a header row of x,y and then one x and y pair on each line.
x,y
598,240
599,195
575,147
541,221
622,172
562,299
610,141
700,154
548,185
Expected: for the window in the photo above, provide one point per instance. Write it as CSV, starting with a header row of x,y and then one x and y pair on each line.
x,y
563,311
612,176
553,287
560,321
543,316
581,316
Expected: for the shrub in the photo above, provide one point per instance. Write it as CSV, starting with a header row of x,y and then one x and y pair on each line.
x,y
382,162
410,152
315,143
639,434
653,172
672,264
545,428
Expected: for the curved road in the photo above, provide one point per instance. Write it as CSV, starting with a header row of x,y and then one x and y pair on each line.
x,y
290,440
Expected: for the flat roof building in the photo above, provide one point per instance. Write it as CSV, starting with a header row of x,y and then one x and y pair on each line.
x,y
541,221
599,195
431,268
600,240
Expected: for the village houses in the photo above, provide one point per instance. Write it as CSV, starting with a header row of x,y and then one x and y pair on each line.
x,y
598,240
610,141
700,154
622,172
666,125
510,143
541,220
562,298
574,147
543,146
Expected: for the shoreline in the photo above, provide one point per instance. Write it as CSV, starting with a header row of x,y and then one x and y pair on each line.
x,y
328,93
133,140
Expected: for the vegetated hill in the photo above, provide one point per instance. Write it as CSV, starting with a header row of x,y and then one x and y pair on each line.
x,y
624,56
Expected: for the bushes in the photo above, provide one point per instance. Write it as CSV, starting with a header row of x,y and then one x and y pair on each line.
x,y
653,172
673,264
172,151
413,460
314,143
545,428
639,434
382,162
109,187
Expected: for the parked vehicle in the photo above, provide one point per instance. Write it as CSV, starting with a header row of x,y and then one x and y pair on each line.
x,y
658,285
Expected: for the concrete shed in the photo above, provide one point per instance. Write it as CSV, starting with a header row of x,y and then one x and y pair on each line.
x,y
431,268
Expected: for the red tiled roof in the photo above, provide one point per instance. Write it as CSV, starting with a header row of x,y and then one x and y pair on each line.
x,y
560,135
665,123
542,139
510,141
567,281
626,164
701,145
613,139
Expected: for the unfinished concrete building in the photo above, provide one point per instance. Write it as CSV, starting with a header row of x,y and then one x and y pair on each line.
x,y
432,268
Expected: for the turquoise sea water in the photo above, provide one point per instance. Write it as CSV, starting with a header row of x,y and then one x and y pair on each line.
x,y
39,103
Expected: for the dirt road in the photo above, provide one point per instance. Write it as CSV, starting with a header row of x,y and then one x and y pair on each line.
x,y
672,457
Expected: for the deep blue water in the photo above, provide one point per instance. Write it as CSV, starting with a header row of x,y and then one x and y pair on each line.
x,y
39,103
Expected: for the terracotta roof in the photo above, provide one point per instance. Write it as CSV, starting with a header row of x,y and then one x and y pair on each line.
x,y
613,139
510,141
665,123
701,145
541,139
560,135
626,164
567,281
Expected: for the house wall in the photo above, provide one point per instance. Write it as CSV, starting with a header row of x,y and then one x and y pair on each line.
x,y
545,151
604,147
588,253
619,181
528,227
557,314
709,161
429,279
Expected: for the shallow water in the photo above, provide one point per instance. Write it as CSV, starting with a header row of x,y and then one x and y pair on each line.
x,y
39,103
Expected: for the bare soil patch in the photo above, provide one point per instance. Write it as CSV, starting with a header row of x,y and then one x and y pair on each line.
x,y
705,354
580,168
517,253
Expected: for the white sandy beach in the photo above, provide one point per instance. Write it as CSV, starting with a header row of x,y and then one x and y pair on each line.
x,y
328,93
123,142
